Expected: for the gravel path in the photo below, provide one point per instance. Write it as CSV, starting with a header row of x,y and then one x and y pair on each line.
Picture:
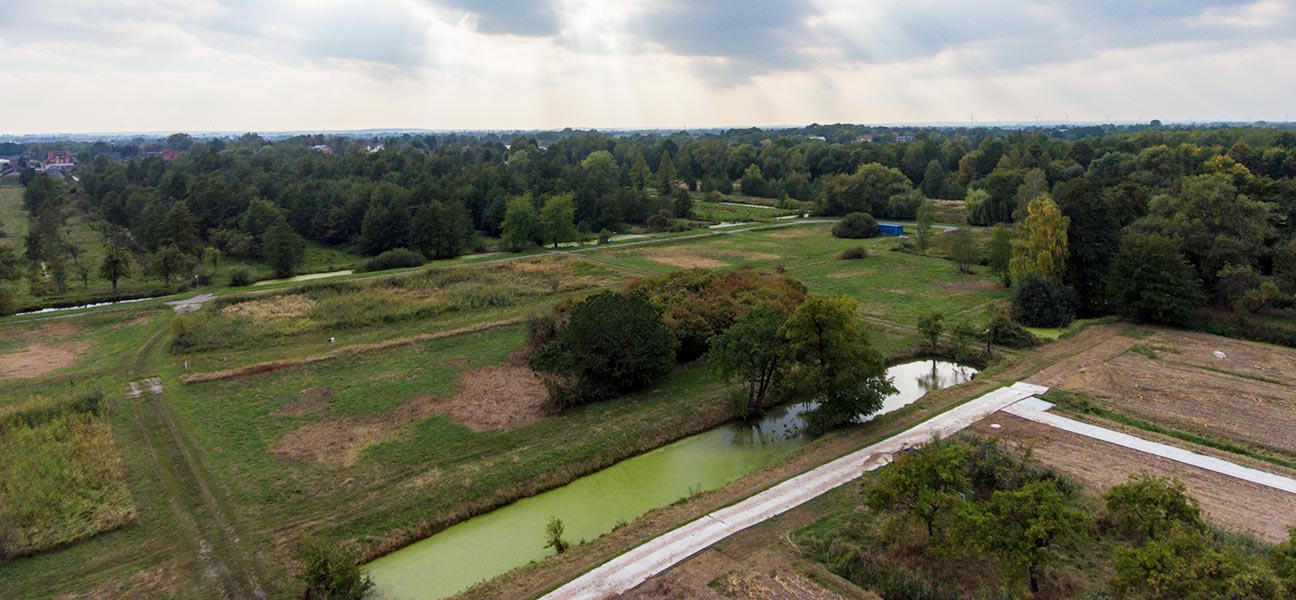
x,y
636,566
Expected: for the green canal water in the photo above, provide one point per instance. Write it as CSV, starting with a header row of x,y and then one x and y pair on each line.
x,y
499,541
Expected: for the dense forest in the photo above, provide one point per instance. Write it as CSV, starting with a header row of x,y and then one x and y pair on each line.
x,y
1153,222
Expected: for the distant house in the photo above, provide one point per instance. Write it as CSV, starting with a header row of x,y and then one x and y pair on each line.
x,y
374,148
904,138
322,149
817,137
59,159
865,138
170,155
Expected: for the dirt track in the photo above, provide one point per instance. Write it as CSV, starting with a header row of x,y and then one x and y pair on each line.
x,y
1231,503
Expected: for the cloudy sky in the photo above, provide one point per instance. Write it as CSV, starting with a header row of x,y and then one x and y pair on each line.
x,y
261,65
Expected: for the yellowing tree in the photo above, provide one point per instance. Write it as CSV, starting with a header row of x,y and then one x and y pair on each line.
x,y
1041,244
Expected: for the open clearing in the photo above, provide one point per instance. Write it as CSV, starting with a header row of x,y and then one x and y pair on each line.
x,y
39,359
1231,503
1245,397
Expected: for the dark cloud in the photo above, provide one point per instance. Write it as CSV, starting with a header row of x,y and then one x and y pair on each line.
x,y
535,18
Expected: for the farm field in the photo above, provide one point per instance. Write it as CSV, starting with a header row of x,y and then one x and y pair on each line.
x,y
1231,503
1173,379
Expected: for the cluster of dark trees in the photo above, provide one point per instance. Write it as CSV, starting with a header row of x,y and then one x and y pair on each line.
x,y
762,330
1221,201
982,498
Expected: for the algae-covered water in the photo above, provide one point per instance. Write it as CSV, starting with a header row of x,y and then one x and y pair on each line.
x,y
494,543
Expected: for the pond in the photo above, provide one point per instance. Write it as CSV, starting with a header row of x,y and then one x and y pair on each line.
x,y
496,542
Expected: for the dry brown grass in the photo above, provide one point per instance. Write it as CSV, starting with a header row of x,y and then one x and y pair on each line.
x,y
47,332
39,359
967,285
498,397
273,308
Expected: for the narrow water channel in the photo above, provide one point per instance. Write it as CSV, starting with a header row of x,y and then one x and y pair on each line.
x,y
491,544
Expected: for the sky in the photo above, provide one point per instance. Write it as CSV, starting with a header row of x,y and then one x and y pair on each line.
x,y
290,65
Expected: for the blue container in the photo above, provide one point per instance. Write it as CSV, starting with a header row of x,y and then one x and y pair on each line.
x,y
890,229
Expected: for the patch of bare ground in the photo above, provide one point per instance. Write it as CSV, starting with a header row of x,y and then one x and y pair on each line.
x,y
791,233
1196,399
39,359
309,402
1057,374
1248,359
1229,502
504,396
495,397
688,262
44,333
273,308
968,285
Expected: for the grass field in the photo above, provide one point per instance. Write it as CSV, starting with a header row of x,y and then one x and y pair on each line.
x,y
388,445
61,480
727,213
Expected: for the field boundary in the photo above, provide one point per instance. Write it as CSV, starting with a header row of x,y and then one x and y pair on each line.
x,y
275,365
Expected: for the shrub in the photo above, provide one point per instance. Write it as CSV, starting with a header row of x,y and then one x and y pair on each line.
x,y
854,252
396,258
8,303
1044,303
240,276
856,226
1004,332
331,572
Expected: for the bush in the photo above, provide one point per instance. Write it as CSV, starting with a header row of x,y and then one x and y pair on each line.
x,y
1044,303
240,276
854,252
8,303
856,226
331,572
396,258
1004,332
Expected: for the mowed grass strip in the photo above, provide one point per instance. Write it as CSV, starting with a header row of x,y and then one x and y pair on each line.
x,y
61,479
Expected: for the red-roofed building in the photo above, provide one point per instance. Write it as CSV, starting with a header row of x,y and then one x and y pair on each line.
x,y
170,155
59,158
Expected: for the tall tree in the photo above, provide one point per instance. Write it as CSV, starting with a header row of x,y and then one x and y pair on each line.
x,y
999,254
521,226
962,249
1024,526
283,248
923,232
1041,245
665,173
933,182
752,350
1093,234
116,265
1151,280
168,262
557,219
833,363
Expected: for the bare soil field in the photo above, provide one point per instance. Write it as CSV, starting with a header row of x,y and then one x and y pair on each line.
x,y
1231,503
39,359
1198,399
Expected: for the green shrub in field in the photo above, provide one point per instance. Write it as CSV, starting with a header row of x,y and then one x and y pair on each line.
x,y
854,253
396,258
856,226
241,276
61,479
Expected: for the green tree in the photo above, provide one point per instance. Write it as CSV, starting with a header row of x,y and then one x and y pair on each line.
x,y
933,182
683,204
1034,185
751,350
331,572
557,219
962,249
213,256
754,183
441,229
856,226
640,174
926,484
665,174
1041,245
832,362
999,254
923,232
611,344
283,248
169,262
1024,526
1214,224
1151,281
931,326
554,535
386,221
1283,559
1150,507
116,264
521,226
179,228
